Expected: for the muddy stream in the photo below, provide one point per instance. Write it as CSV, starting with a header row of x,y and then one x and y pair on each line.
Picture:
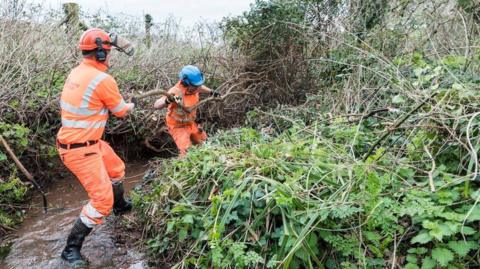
x,y
41,238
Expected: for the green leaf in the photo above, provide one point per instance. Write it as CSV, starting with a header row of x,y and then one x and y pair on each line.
x,y
422,238
418,251
462,247
468,230
454,61
187,219
24,142
373,236
475,215
411,266
3,157
302,254
182,235
457,86
418,72
170,226
439,230
438,233
451,216
398,99
428,263
442,255
411,258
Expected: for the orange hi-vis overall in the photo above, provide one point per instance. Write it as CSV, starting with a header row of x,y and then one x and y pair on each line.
x,y
87,97
181,125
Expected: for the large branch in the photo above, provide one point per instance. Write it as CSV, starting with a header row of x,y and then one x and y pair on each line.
x,y
188,109
24,170
160,92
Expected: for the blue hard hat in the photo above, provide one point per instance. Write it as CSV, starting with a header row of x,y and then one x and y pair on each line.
x,y
191,76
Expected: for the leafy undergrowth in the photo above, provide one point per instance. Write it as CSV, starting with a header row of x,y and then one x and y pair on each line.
x,y
12,190
293,192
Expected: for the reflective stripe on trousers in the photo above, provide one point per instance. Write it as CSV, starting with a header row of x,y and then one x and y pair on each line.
x,y
90,216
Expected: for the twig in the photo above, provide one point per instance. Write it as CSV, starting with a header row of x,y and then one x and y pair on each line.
x,y
369,114
395,125
8,228
473,151
467,41
430,173
394,258
146,142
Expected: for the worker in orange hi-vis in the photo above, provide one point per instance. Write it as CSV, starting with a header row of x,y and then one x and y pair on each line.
x,y
181,124
89,94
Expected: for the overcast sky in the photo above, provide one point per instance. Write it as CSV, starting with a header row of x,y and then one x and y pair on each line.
x,y
189,11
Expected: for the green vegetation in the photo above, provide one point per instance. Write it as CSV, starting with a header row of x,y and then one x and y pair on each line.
x,y
301,186
293,192
12,190
300,198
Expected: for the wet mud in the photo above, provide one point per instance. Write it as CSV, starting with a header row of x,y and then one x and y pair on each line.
x,y
41,238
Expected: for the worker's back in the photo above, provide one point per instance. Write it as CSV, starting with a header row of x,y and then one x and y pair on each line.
x,y
86,97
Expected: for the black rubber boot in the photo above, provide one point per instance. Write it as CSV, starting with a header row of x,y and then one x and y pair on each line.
x,y
75,239
120,204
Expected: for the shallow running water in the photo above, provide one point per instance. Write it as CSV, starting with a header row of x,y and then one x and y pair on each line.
x,y
41,237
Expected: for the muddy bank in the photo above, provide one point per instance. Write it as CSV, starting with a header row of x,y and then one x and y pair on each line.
x,y
41,238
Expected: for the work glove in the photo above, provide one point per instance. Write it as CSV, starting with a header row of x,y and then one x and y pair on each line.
x,y
134,100
216,93
174,99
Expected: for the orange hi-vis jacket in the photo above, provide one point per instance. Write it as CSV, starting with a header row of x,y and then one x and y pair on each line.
x,y
89,93
177,116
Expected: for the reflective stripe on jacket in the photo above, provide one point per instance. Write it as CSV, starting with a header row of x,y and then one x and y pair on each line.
x,y
87,96
177,116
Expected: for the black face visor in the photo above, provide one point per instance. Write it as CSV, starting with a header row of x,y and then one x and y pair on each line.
x,y
121,44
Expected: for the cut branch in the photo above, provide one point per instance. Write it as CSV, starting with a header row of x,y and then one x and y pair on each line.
x,y
24,171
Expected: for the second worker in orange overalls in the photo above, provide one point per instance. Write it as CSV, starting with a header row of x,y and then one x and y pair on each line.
x,y
181,124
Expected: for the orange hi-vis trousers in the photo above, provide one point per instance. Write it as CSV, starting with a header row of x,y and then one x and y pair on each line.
x,y
185,135
95,166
